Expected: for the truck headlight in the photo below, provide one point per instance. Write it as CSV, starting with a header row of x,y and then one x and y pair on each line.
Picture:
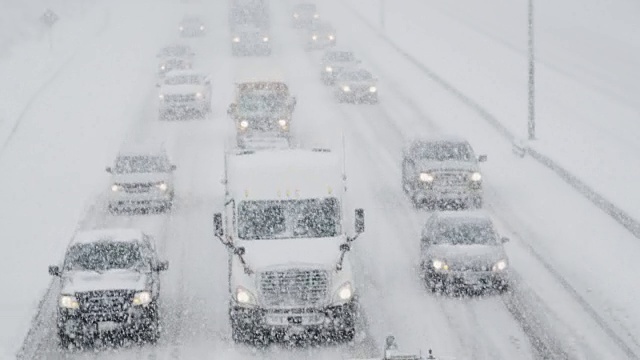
x,y
346,88
162,186
236,39
199,95
329,69
161,97
426,177
265,39
245,297
373,89
68,302
314,37
439,265
476,176
116,187
162,67
142,298
282,123
244,124
344,292
331,37
500,265
316,16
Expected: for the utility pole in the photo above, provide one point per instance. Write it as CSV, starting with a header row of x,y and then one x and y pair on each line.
x,y
531,124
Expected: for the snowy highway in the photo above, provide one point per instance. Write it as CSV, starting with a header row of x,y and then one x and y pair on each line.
x,y
569,299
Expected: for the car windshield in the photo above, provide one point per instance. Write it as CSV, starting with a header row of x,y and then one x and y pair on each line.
x,y
104,255
184,80
360,75
443,151
340,56
175,51
141,164
457,232
310,218
262,101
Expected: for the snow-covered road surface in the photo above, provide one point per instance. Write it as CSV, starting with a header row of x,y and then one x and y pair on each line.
x,y
545,218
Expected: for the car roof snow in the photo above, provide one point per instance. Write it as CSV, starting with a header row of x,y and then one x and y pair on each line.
x,y
110,235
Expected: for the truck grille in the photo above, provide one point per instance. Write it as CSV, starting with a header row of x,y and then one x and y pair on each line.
x,y
293,287
137,187
451,179
106,305
179,98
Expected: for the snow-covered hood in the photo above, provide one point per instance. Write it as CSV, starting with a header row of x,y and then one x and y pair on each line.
x,y
369,82
80,281
139,178
430,165
275,115
463,256
312,252
186,89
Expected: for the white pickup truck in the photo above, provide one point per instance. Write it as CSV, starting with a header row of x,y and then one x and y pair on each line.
x,y
285,227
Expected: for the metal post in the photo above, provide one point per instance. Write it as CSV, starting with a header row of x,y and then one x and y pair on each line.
x,y
532,120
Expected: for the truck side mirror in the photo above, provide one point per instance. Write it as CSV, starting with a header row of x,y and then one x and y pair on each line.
x,y
239,251
504,239
217,225
54,270
173,167
162,266
359,221
482,158
108,169
345,247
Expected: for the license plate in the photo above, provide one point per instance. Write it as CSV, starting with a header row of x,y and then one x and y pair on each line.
x,y
104,326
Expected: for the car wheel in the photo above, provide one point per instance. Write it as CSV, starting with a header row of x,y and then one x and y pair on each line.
x,y
65,340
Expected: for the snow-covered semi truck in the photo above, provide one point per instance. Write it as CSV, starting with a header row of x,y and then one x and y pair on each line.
x,y
285,226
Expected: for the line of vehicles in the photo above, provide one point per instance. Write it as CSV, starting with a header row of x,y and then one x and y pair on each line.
x,y
287,223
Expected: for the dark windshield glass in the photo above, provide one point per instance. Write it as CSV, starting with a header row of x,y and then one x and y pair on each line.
x,y
262,101
465,233
100,256
356,75
140,164
443,151
311,218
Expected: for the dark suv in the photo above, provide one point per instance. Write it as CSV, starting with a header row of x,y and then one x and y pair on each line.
x,y
110,285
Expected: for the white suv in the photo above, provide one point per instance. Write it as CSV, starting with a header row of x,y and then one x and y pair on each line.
x,y
141,179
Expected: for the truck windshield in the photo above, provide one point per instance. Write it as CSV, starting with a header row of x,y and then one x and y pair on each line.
x,y
285,219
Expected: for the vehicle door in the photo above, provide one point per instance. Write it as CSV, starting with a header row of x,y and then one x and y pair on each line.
x,y
150,257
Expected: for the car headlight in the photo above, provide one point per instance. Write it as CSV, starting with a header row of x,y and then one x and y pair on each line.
x,y
162,67
439,265
314,37
316,16
244,296
344,293
373,89
331,37
476,176
68,302
161,97
142,298
244,124
265,39
500,265
282,122
116,187
199,95
295,15
426,177
346,88
201,27
162,186
181,28
329,69
236,39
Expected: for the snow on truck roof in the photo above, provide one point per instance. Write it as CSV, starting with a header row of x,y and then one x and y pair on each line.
x,y
114,235
291,173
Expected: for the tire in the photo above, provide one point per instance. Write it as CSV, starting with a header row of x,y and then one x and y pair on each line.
x,y
65,340
151,333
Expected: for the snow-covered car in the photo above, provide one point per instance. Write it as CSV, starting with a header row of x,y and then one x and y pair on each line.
x,y
262,109
173,64
109,286
286,226
141,179
183,93
250,40
356,86
442,171
176,51
320,35
334,62
304,14
191,26
463,250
